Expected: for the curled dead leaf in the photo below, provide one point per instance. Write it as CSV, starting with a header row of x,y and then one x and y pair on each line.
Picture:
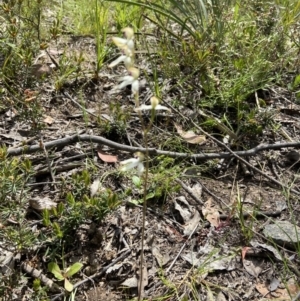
x,y
94,187
211,213
190,136
191,224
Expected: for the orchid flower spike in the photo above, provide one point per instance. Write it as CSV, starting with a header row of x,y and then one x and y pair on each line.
x,y
153,106
126,57
134,162
128,41
131,79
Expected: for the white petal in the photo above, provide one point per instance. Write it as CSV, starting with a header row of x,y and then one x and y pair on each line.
x,y
159,107
135,86
128,62
129,164
131,160
119,42
126,78
140,168
125,83
130,44
143,107
120,59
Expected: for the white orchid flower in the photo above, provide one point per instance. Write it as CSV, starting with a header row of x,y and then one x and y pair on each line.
x,y
134,162
131,79
153,106
126,57
128,41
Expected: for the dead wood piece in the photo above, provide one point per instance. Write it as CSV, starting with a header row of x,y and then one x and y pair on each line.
x,y
39,275
28,149
152,151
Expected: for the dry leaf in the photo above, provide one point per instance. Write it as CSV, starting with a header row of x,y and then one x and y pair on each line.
x,y
191,224
130,282
190,136
221,297
253,267
42,203
94,187
262,289
48,120
197,190
211,213
273,284
244,252
184,208
113,268
40,70
161,259
107,157
211,262
269,248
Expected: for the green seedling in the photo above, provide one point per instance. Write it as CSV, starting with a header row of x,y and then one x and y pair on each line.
x,y
64,275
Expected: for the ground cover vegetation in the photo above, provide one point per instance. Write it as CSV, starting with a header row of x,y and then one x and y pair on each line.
x,y
149,150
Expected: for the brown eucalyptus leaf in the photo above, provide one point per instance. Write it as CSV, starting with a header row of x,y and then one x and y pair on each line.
x,y
107,157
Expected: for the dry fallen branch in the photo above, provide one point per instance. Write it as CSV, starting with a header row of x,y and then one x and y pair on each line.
x,y
152,151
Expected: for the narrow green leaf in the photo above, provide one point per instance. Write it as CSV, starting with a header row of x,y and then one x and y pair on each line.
x,y
55,270
73,269
296,81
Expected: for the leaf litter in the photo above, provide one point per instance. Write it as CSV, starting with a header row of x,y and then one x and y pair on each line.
x,y
100,243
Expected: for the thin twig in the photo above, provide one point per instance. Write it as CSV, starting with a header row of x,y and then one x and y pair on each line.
x,y
67,95
190,192
180,251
